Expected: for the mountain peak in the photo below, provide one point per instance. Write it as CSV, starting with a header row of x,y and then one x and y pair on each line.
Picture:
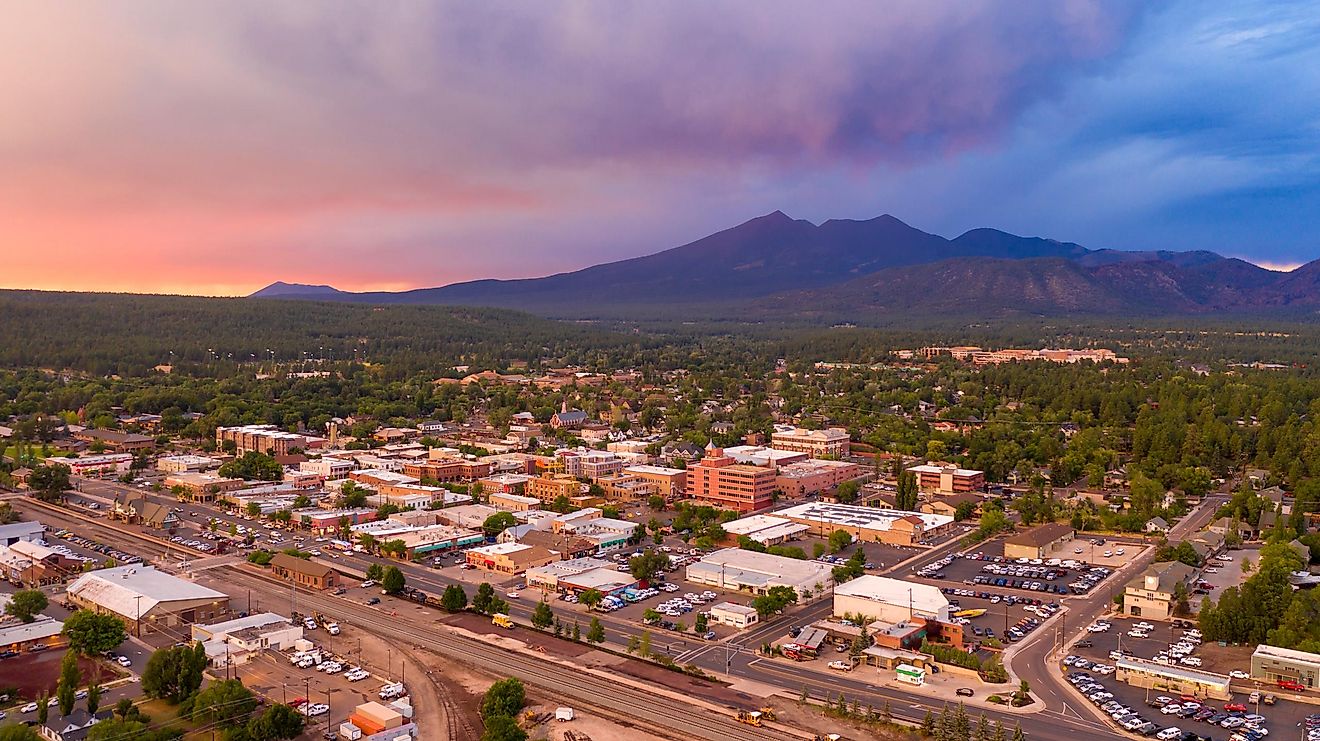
x,y
300,290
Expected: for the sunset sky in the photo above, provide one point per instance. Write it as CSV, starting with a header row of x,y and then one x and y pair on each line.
x,y
214,147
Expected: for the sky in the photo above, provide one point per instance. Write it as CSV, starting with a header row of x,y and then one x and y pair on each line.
x,y
214,146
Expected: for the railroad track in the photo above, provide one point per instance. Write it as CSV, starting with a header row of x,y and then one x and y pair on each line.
x,y
659,714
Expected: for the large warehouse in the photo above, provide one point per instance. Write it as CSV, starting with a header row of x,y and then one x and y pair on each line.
x,y
756,573
890,600
141,594
870,524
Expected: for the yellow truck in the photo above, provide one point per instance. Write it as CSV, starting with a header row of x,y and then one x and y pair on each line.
x,y
502,620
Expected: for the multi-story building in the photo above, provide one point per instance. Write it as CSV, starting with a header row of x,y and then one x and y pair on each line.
x,y
670,483
831,443
947,479
116,441
814,476
447,469
1154,593
551,487
721,482
329,469
264,439
627,487
186,463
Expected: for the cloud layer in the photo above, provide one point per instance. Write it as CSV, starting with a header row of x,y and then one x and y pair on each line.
x,y
227,144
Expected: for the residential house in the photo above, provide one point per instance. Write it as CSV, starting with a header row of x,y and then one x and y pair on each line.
x,y
72,727
1157,525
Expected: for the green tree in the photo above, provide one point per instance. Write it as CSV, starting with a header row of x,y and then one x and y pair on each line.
x,y
542,616
484,599
224,702
591,598
505,697
846,492
253,465
392,581
498,523
277,723
596,632
93,697
175,673
454,599
701,623
67,686
91,633
49,481
644,644
352,496
648,565
25,604
375,572
839,539
905,498
16,732
43,708
502,728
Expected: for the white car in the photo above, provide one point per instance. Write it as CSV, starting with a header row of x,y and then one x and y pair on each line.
x,y
512,595
332,628
1168,734
1171,708
1239,674
843,666
123,661
368,583
313,709
356,675
1190,661
31,707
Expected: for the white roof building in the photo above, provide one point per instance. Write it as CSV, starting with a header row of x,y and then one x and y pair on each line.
x,y
16,531
139,591
890,600
756,573
765,529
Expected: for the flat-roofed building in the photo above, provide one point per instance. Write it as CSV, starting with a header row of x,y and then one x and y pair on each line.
x,y
1271,664
470,516
505,483
186,463
670,483
147,599
116,441
90,465
759,455
829,443
718,480
18,636
26,530
947,479
329,469
550,487
267,439
235,642
626,487
756,573
765,529
1172,678
514,502
814,477
447,469
201,487
578,575
734,615
510,558
870,524
890,600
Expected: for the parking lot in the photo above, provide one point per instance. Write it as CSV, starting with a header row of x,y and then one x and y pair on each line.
x,y
1224,572
1097,646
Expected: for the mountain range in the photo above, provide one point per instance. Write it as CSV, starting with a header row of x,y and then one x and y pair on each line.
x,y
775,266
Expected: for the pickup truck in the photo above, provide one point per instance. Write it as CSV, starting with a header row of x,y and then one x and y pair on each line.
x,y
843,666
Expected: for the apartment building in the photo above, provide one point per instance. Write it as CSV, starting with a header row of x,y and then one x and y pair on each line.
x,y
447,469
814,477
550,487
267,439
830,443
721,482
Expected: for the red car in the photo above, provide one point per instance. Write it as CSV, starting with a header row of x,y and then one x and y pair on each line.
x,y
1288,684
1235,707
297,701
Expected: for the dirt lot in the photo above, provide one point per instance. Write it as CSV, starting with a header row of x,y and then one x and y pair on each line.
x,y
33,673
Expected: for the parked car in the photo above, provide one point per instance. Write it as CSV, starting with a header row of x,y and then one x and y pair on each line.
x,y
964,692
